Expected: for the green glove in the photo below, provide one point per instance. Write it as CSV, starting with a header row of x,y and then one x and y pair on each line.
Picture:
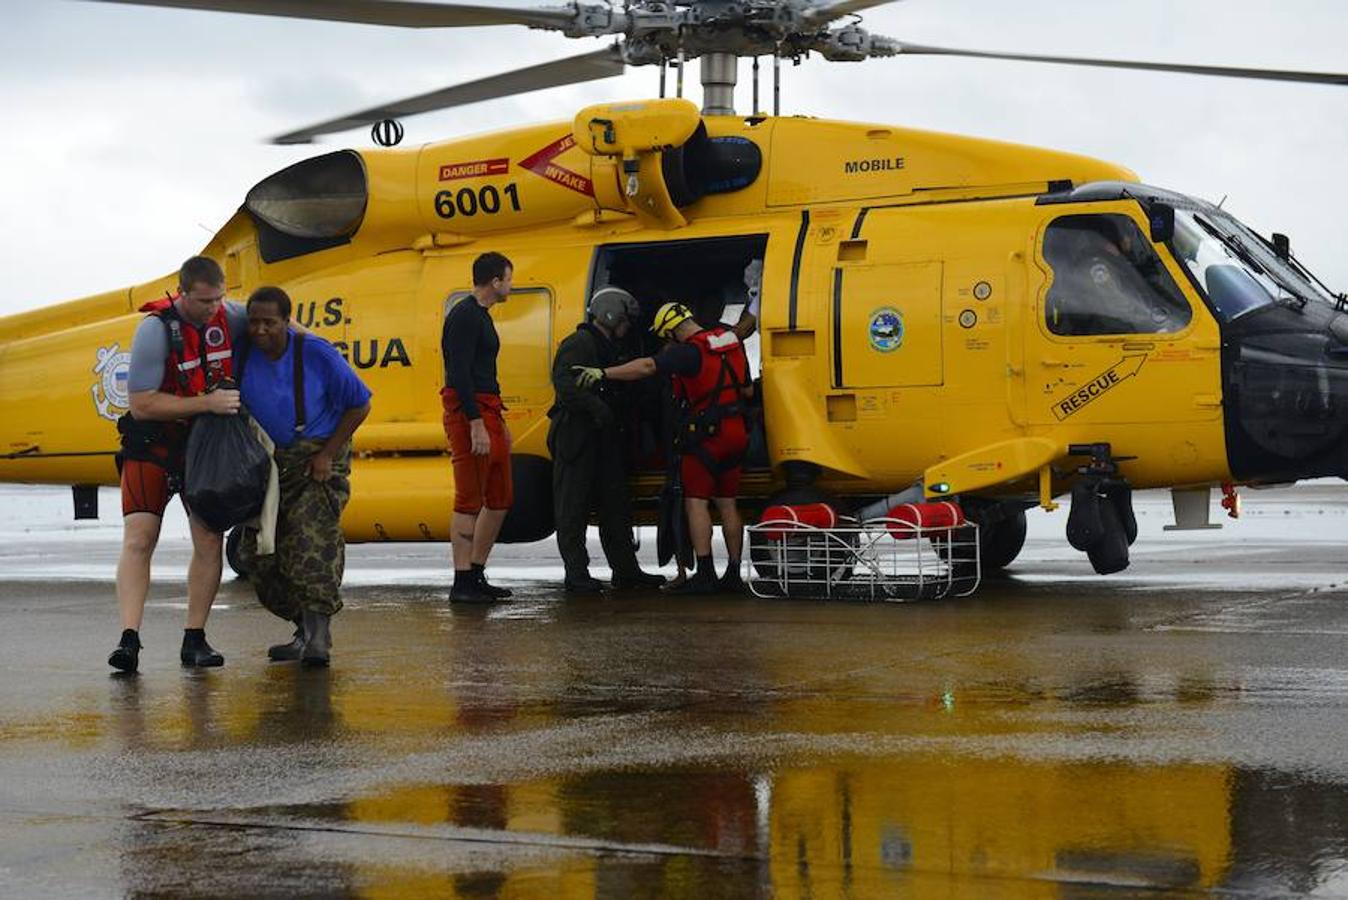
x,y
588,376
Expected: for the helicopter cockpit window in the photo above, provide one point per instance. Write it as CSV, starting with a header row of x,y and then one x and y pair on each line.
x,y
1108,279
1234,266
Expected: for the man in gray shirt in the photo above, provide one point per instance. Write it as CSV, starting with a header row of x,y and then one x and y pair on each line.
x,y
180,353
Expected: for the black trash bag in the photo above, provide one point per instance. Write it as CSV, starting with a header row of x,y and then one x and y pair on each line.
x,y
226,471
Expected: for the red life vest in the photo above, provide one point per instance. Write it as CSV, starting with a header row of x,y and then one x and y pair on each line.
x,y
199,357
724,370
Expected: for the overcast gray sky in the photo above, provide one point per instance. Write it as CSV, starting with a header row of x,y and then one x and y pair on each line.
x,y
130,134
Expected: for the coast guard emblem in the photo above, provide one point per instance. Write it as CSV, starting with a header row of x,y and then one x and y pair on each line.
x,y
886,329
109,391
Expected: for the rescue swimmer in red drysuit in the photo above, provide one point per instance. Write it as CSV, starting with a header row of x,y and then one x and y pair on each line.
x,y
181,351
710,372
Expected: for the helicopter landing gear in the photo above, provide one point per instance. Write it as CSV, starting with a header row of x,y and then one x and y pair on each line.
x,y
1001,537
232,552
1101,523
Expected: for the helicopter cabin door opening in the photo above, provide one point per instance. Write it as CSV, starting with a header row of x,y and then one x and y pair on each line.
x,y
708,275
1114,338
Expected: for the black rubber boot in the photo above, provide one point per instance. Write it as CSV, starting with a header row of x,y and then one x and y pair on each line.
x,y
467,590
292,649
196,652
701,582
584,583
317,639
491,590
126,658
637,581
731,582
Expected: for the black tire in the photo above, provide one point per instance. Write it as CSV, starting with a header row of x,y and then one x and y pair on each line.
x,y
1120,495
1001,542
1001,537
232,552
1110,552
530,517
1085,524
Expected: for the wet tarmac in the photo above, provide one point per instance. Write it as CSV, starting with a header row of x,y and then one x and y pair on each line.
x,y
1178,729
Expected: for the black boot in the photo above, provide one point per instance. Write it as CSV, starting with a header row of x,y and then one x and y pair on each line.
x,y
196,652
317,639
731,582
582,583
491,590
292,649
467,590
126,658
703,581
637,581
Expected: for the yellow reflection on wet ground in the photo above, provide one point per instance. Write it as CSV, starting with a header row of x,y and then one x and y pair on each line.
x,y
1032,742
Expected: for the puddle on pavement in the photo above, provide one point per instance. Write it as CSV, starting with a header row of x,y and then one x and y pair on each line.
x,y
851,828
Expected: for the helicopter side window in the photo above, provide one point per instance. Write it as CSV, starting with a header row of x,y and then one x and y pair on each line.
x,y
1108,279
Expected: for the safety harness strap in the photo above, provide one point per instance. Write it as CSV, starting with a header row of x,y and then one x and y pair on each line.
x,y
174,325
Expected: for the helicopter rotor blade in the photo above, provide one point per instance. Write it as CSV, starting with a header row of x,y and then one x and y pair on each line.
x,y
398,13
827,12
886,47
587,67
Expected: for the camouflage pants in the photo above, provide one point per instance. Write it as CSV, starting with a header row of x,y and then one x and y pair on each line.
x,y
305,572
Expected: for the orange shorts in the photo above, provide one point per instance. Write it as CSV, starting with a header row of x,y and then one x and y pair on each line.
x,y
145,487
729,443
478,480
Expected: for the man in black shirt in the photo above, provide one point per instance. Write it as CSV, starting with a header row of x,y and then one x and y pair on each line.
x,y
479,440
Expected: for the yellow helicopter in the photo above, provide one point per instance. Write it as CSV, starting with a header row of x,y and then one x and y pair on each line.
x,y
941,316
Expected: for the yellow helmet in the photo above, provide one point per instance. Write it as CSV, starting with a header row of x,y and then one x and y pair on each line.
x,y
669,317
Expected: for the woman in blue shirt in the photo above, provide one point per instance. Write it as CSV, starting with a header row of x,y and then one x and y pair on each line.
x,y
310,402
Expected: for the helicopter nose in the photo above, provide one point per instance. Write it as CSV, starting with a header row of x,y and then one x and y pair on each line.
x,y
1285,376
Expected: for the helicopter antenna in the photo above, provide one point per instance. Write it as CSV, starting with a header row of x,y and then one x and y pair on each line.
x,y
776,84
755,109
1223,200
679,91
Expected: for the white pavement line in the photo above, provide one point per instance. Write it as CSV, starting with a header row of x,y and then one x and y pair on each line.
x,y
447,833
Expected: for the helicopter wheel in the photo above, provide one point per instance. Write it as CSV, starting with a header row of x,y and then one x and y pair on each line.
x,y
232,552
1001,536
1000,542
1110,552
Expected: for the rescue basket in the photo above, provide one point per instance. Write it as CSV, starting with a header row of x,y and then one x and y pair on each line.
x,y
914,552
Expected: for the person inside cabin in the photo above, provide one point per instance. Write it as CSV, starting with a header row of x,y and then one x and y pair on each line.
x,y
753,291
310,402
182,365
1104,281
